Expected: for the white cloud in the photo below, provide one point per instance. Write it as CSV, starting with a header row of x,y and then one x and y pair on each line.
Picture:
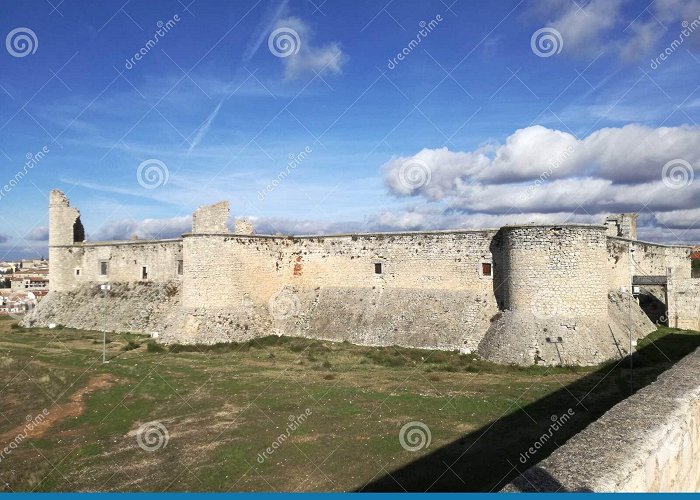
x,y
309,58
632,32
631,154
144,229
583,28
544,175
39,234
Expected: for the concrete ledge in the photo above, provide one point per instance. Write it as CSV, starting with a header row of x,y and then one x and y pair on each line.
x,y
648,442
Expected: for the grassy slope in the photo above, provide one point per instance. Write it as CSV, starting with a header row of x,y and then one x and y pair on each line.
x,y
224,405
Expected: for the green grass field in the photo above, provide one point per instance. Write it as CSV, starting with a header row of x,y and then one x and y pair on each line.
x,y
223,406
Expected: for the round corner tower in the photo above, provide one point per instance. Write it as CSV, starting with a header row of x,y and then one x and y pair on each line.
x,y
551,285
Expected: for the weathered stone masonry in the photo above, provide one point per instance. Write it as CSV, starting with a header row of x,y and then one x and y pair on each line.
x,y
519,294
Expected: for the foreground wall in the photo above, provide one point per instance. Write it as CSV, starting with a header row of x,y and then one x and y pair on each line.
x,y
649,442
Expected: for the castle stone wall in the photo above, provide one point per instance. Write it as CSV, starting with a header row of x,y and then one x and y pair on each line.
x,y
430,290
521,294
684,303
81,264
259,266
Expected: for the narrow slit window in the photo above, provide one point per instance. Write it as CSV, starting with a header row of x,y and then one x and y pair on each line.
x,y
144,273
103,268
77,272
180,267
378,268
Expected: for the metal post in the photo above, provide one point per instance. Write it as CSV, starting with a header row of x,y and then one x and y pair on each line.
x,y
104,347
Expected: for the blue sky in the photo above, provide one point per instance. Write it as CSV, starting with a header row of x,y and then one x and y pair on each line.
x,y
477,125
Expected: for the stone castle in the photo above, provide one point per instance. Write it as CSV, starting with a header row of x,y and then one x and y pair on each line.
x,y
549,294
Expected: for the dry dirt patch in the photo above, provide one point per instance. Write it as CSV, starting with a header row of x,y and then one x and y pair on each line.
x,y
73,408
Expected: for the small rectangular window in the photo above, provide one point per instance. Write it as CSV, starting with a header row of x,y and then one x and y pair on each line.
x,y
486,269
144,273
77,272
180,267
378,268
103,268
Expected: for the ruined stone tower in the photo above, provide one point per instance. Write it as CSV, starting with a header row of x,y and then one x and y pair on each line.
x,y
65,230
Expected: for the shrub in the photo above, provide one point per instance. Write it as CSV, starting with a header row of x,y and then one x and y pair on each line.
x,y
152,346
131,345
